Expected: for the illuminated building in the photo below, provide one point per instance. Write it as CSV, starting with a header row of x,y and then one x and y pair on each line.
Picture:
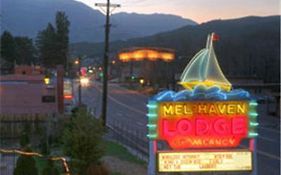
x,y
149,63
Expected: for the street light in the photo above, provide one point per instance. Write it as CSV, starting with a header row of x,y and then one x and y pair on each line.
x,y
78,62
141,81
84,81
47,80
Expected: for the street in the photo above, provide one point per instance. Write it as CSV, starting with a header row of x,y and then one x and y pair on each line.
x,y
127,110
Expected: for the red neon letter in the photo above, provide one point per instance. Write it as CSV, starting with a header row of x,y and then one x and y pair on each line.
x,y
202,127
166,130
184,126
221,126
239,125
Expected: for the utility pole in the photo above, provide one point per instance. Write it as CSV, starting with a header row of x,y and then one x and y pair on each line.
x,y
78,63
105,56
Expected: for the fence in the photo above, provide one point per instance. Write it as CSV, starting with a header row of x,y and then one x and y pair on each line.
x,y
11,126
134,139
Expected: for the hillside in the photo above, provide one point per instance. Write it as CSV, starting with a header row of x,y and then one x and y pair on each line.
x,y
27,17
247,47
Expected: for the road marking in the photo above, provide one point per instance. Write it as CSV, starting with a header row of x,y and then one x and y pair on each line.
x,y
129,107
140,124
268,155
132,91
267,139
269,129
264,153
122,104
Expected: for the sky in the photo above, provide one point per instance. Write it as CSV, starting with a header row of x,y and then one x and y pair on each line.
x,y
197,10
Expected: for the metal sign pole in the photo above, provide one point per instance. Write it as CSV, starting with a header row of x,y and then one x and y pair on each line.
x,y
152,157
253,148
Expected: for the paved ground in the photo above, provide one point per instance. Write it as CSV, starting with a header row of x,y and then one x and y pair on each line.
x,y
127,109
124,167
7,163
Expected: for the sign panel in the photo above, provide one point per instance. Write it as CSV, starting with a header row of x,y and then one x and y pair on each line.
x,y
208,124
234,160
48,99
67,89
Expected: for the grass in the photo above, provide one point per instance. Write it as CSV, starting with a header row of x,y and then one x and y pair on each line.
x,y
41,164
116,150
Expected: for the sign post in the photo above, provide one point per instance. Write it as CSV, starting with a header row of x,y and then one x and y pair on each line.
x,y
253,148
152,157
203,124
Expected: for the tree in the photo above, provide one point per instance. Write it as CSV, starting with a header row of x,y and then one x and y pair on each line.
x,y
24,50
8,47
82,140
26,165
52,42
46,46
62,25
24,138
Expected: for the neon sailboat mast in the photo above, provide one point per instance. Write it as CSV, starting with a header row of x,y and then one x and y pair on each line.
x,y
203,69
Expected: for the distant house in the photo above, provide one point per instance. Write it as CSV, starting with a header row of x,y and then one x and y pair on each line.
x,y
5,67
25,93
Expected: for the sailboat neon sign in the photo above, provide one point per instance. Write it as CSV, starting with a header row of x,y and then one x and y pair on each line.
x,y
208,114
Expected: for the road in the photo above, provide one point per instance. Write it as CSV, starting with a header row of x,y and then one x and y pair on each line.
x,y
127,112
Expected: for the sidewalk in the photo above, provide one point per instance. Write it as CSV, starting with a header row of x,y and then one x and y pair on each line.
x,y
123,167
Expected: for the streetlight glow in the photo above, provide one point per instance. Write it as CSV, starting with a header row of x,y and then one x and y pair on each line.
x,y
84,81
47,80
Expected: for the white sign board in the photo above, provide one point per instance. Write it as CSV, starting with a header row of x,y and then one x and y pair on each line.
x,y
232,160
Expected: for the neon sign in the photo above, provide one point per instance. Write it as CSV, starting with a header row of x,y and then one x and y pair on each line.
x,y
151,54
207,114
202,124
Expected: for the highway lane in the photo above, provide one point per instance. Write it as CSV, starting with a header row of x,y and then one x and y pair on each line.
x,y
127,109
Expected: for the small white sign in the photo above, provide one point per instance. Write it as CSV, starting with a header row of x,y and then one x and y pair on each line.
x,y
232,160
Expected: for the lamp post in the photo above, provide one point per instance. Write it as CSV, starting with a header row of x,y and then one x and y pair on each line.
x,y
78,62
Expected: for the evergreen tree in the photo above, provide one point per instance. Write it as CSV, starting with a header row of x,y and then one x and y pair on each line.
x,y
24,140
62,26
8,47
82,140
52,42
24,50
26,165
46,46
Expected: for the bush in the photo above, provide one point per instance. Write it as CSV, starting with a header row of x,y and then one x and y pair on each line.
x,y
82,140
26,165
50,169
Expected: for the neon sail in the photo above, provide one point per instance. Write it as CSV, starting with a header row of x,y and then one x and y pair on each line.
x,y
203,69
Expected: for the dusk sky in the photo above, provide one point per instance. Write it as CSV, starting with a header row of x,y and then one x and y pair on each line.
x,y
198,10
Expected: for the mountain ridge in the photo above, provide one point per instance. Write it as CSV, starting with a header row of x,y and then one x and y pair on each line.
x,y
27,18
250,43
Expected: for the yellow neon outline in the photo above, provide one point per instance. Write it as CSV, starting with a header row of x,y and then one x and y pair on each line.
x,y
204,69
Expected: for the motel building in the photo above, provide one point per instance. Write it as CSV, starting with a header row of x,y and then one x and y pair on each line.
x,y
148,63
